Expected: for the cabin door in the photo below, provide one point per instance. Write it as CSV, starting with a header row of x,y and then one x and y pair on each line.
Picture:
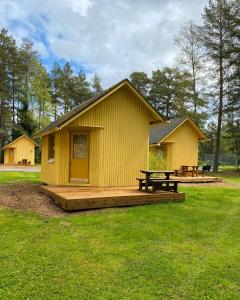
x,y
79,156
11,155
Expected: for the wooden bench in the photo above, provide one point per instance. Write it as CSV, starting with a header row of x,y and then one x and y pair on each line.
x,y
159,184
142,182
165,185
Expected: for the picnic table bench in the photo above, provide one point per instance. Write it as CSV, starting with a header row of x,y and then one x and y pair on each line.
x,y
162,184
24,162
186,170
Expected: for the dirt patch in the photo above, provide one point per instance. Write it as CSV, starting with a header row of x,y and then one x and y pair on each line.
x,y
27,197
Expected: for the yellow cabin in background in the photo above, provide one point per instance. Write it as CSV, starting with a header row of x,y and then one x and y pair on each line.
x,y
102,142
20,151
178,141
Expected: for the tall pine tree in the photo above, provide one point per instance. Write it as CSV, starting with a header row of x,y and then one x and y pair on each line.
x,y
96,84
216,38
191,59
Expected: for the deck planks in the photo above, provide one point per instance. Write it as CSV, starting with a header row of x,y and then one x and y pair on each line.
x,y
82,198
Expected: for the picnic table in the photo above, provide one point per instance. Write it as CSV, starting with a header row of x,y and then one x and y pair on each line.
x,y
193,170
149,173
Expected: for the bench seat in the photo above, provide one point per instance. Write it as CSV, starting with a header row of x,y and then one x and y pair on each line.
x,y
159,184
165,185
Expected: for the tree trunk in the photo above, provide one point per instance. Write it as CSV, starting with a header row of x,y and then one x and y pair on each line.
x,y
2,127
13,99
195,96
168,106
194,89
55,112
219,123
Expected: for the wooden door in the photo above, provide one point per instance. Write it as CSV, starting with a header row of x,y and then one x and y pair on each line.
x,y
11,155
79,155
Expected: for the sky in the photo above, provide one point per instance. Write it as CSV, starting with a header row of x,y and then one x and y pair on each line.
x,y
110,37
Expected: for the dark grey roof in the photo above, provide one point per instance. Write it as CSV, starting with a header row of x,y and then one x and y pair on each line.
x,y
77,109
160,131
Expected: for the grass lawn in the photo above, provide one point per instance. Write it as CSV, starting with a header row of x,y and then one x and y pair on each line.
x,y
185,250
19,177
229,174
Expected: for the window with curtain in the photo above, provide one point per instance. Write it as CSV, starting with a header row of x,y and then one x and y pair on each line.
x,y
79,146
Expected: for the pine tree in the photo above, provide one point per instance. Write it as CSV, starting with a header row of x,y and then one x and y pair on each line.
x,y
82,91
6,45
184,95
56,78
142,83
96,85
26,122
233,103
191,59
28,58
42,96
162,91
216,38
67,87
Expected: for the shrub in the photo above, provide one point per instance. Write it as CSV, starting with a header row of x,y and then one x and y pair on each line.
x,y
157,161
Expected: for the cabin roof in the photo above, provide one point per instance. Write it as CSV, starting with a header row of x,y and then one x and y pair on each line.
x,y
87,104
19,138
160,131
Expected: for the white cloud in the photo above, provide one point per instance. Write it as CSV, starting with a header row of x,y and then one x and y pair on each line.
x,y
110,37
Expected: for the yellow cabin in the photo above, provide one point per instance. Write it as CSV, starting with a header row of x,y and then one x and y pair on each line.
x,y
20,151
178,141
102,142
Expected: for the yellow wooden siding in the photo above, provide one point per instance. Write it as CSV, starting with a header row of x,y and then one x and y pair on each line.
x,y
118,148
6,156
23,149
50,169
182,147
122,150
64,155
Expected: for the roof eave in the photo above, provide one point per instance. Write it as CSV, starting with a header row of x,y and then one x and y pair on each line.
x,y
17,139
46,132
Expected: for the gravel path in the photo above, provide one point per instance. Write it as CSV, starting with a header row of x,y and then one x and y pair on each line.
x,y
6,168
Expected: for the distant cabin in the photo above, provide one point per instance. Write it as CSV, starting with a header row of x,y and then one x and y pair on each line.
x,y
20,151
178,141
101,142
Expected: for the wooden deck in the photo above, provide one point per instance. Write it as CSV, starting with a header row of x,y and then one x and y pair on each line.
x,y
198,179
82,198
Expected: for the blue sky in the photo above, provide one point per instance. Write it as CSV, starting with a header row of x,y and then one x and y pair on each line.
x,y
112,38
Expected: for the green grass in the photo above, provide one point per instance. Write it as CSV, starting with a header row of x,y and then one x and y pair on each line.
x,y
185,250
19,177
228,174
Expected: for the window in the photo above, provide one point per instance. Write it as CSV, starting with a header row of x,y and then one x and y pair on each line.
x,y
51,146
80,146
